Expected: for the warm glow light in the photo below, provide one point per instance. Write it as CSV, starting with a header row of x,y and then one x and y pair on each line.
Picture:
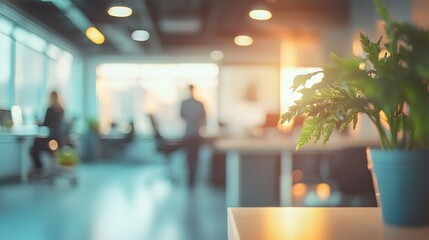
x,y
357,48
287,95
301,222
299,190
119,11
384,121
216,55
323,191
383,53
94,35
260,14
243,40
140,35
53,145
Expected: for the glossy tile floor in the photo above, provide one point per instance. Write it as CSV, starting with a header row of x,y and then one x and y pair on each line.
x,y
115,199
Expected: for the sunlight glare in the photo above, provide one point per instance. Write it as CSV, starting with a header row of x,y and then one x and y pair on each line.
x,y
287,95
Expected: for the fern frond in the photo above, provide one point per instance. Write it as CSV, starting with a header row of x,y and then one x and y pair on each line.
x,y
306,132
328,132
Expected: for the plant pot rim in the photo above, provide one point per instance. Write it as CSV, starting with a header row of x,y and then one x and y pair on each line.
x,y
378,149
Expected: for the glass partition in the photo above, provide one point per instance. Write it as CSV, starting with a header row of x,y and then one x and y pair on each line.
x,y
28,81
5,62
128,92
31,67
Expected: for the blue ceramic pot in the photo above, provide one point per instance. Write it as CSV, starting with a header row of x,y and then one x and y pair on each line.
x,y
402,179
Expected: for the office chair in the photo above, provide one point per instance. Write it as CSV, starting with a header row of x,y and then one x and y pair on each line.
x,y
164,146
61,161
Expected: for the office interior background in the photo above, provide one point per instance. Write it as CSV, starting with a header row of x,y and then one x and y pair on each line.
x,y
43,47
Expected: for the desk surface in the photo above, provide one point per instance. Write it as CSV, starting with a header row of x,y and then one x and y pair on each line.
x,y
315,223
278,144
24,131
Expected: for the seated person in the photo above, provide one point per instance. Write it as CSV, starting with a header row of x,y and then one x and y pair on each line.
x,y
54,121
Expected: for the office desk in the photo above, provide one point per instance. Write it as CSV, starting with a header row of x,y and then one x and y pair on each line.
x,y
253,175
285,223
21,135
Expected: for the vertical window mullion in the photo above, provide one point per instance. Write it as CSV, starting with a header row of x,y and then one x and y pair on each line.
x,y
12,80
43,87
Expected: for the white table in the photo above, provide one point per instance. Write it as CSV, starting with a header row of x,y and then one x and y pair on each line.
x,y
21,134
252,158
285,223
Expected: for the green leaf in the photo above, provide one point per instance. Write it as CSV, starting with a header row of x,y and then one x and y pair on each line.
x,y
371,49
300,80
382,10
306,132
328,132
317,133
343,126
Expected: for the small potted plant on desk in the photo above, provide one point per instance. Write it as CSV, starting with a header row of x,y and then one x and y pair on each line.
x,y
389,84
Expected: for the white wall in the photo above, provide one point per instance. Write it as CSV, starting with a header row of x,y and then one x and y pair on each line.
x,y
246,94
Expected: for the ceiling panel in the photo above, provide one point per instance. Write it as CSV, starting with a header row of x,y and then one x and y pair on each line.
x,y
181,23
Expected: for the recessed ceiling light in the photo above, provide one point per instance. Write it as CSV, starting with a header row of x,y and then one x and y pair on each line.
x,y
94,35
243,40
119,11
216,55
260,14
140,35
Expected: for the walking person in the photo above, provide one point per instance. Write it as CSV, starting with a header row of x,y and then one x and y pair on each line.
x,y
193,113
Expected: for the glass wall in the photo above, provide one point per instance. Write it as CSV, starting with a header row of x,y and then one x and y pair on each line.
x,y
128,92
59,71
5,62
28,80
31,67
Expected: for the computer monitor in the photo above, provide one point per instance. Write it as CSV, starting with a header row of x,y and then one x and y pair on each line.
x,y
6,118
17,118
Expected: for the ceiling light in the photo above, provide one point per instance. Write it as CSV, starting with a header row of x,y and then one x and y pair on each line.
x,y
260,11
140,35
260,14
243,40
119,10
216,55
94,35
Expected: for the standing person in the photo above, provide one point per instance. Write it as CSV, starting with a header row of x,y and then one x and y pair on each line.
x,y
193,113
54,121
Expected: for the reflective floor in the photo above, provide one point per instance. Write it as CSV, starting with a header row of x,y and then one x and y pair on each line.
x,y
129,194
114,199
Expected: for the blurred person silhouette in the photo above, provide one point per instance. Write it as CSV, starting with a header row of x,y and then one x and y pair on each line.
x,y
54,121
193,113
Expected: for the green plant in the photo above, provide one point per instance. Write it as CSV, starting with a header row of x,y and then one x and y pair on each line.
x,y
93,125
389,84
67,156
